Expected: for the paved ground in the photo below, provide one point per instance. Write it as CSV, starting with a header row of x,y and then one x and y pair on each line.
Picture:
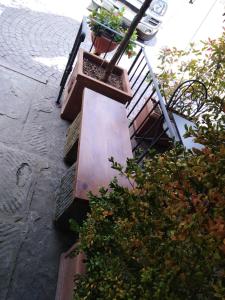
x,y
32,137
35,42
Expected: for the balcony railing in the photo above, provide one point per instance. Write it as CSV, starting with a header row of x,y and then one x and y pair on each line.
x,y
147,112
150,122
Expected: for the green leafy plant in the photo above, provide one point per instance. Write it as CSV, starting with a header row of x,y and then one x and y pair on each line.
x,y
205,63
164,238
112,19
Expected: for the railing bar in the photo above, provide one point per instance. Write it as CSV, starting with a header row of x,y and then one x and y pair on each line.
x,y
92,45
136,69
134,62
162,104
142,123
121,56
143,107
154,141
138,76
150,139
140,97
152,144
77,42
137,91
69,66
108,48
149,130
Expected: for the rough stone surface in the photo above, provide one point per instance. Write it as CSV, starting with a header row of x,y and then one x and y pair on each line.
x,y
32,139
35,42
34,47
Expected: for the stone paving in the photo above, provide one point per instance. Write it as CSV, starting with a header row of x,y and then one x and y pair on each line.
x,y
31,159
34,46
32,138
35,41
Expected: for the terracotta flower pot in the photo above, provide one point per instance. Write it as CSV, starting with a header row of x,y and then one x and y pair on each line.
x,y
102,44
79,80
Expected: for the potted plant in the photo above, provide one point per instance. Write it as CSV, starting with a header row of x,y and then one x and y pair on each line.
x,y
88,72
104,39
100,75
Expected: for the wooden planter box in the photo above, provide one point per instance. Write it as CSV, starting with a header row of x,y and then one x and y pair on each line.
x,y
67,205
103,133
69,267
71,146
145,121
78,81
142,123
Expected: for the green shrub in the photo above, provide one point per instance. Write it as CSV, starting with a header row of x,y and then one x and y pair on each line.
x,y
205,62
164,238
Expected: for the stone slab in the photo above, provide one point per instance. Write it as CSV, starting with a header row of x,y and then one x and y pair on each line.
x,y
36,42
11,236
35,273
31,163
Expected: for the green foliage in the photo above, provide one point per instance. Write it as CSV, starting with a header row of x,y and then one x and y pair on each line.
x,y
164,238
206,64
114,20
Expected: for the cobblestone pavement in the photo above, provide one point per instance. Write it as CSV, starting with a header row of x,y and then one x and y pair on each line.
x,y
35,42
32,138
31,160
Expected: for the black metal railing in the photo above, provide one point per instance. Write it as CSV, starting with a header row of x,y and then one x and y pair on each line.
x,y
145,91
188,99
150,123
147,112
81,35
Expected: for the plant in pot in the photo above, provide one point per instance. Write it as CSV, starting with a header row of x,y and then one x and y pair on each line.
x,y
104,39
100,75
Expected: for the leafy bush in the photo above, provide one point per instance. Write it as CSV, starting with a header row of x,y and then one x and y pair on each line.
x,y
205,63
112,19
164,238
